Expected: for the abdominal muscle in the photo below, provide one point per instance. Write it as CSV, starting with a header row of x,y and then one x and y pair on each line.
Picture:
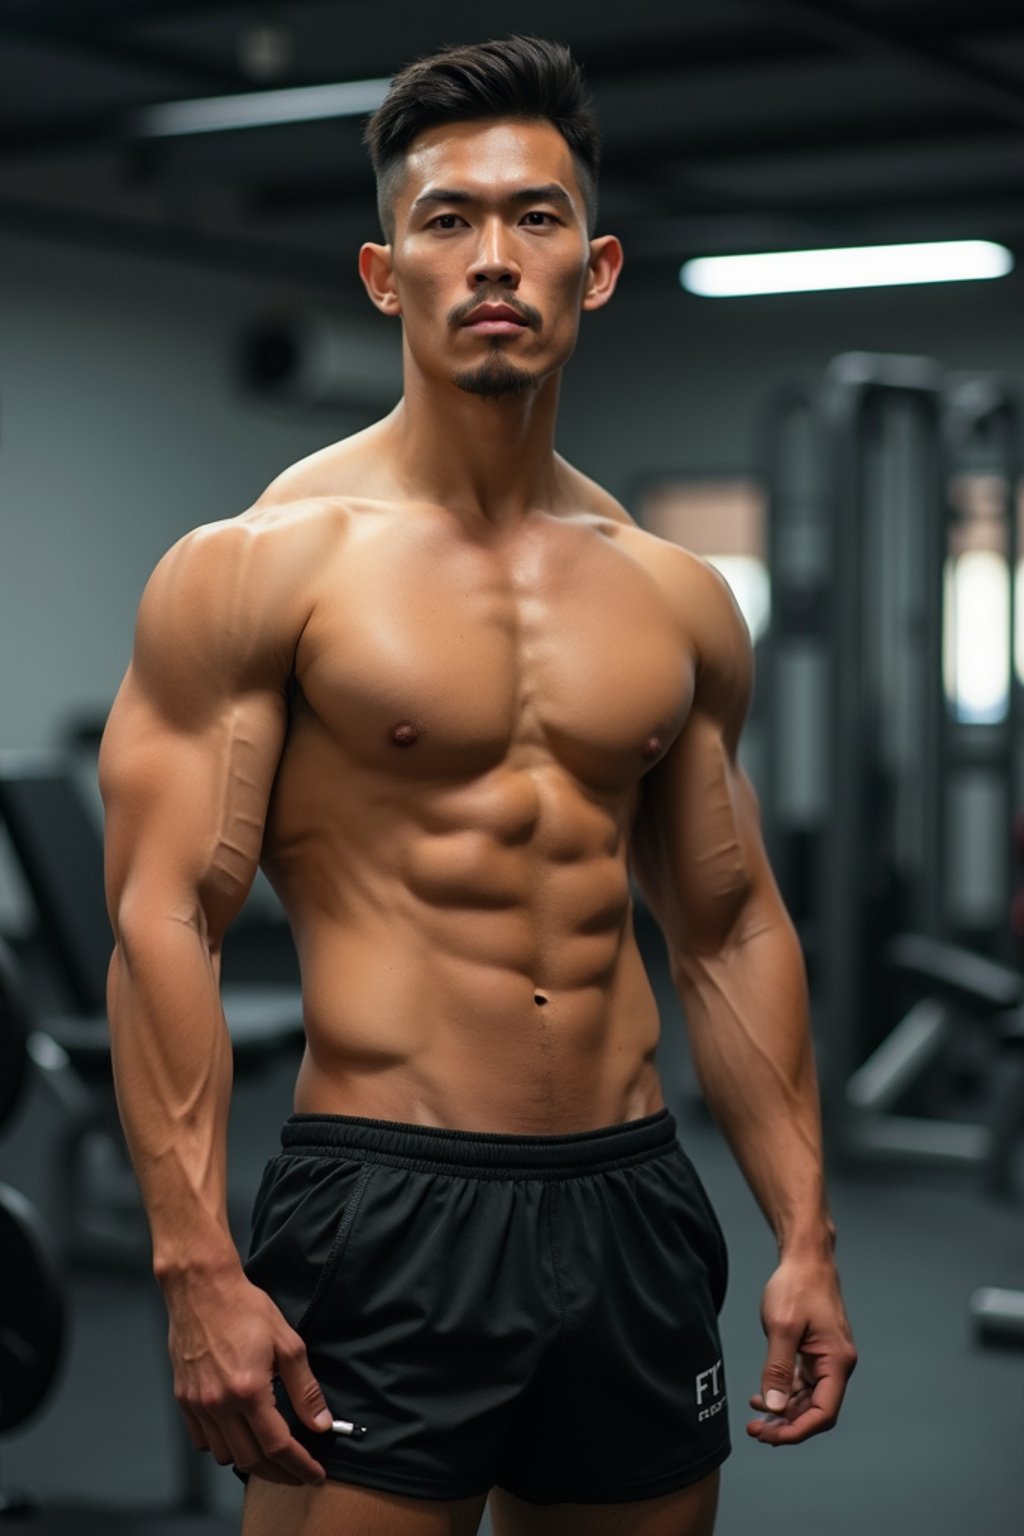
x,y
460,976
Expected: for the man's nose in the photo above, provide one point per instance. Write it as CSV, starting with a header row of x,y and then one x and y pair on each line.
x,y
493,262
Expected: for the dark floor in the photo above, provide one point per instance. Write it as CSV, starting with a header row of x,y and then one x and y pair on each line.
x,y
932,1437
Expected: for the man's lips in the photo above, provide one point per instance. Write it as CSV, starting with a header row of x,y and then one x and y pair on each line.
x,y
495,319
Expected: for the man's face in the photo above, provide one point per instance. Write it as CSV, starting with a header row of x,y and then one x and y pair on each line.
x,y
490,258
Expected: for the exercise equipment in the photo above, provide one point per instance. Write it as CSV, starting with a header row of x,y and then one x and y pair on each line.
x,y
998,1315
14,1059
32,1317
887,787
957,985
31,1321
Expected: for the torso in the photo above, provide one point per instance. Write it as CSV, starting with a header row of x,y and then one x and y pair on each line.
x,y
471,717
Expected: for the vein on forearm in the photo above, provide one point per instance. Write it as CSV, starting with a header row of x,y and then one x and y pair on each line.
x,y
172,1059
746,1009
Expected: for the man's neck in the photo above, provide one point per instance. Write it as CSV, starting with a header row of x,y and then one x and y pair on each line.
x,y
482,458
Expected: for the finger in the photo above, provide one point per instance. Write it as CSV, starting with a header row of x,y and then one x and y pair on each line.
x,y
215,1441
802,1386
279,1447
766,1425
195,1429
301,1385
780,1366
812,1413
248,1457
822,1411
778,1431
803,1381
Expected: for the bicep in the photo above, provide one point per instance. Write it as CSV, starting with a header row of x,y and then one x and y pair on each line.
x,y
185,810
696,839
698,855
189,756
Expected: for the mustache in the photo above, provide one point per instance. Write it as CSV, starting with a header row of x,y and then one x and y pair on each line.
x,y
526,312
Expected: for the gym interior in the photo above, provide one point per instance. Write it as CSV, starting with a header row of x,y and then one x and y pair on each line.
x,y
181,318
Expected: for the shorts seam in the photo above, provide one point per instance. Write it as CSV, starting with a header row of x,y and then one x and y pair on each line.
x,y
557,1273
720,1287
337,1250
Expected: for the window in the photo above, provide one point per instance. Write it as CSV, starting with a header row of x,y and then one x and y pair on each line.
x,y
976,609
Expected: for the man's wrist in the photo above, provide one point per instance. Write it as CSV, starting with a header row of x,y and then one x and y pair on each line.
x,y
176,1267
808,1240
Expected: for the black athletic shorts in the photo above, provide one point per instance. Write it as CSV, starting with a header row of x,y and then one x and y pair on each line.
x,y
538,1312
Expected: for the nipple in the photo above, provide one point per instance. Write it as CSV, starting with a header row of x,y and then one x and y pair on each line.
x,y
405,734
652,746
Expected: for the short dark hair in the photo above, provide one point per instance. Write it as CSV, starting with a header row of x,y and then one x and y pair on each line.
x,y
525,77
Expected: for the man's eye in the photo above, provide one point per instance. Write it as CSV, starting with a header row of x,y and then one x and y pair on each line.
x,y
445,221
539,218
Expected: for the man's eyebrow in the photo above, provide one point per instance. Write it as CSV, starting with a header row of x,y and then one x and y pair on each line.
x,y
551,192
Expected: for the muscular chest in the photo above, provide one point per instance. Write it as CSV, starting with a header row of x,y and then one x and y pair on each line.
x,y
432,656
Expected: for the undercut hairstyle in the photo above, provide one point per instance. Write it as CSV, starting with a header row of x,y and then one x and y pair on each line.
x,y
517,77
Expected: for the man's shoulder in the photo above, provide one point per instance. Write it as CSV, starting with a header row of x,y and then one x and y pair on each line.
x,y
695,591
595,501
680,569
263,563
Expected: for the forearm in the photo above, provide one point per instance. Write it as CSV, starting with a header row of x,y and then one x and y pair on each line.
x,y
747,1014
172,1074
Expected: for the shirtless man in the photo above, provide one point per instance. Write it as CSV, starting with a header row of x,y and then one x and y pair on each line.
x,y
449,695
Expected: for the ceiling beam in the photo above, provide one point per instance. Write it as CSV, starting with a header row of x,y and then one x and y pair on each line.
x,y
111,12
64,131
186,71
989,89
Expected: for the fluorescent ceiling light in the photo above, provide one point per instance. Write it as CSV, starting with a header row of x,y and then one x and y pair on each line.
x,y
259,109
858,266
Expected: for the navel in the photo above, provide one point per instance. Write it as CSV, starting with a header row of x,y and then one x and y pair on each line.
x,y
652,746
405,734
539,998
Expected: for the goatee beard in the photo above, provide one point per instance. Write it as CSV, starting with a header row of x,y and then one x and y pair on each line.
x,y
495,378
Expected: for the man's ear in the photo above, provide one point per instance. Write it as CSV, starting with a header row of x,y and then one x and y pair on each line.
x,y
378,278
605,265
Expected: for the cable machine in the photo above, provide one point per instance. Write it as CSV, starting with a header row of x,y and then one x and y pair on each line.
x,y
890,769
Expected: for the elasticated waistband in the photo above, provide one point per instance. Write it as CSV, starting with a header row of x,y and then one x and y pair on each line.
x,y
481,1154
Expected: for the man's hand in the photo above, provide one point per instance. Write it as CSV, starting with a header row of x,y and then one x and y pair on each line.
x,y
227,1342
811,1354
